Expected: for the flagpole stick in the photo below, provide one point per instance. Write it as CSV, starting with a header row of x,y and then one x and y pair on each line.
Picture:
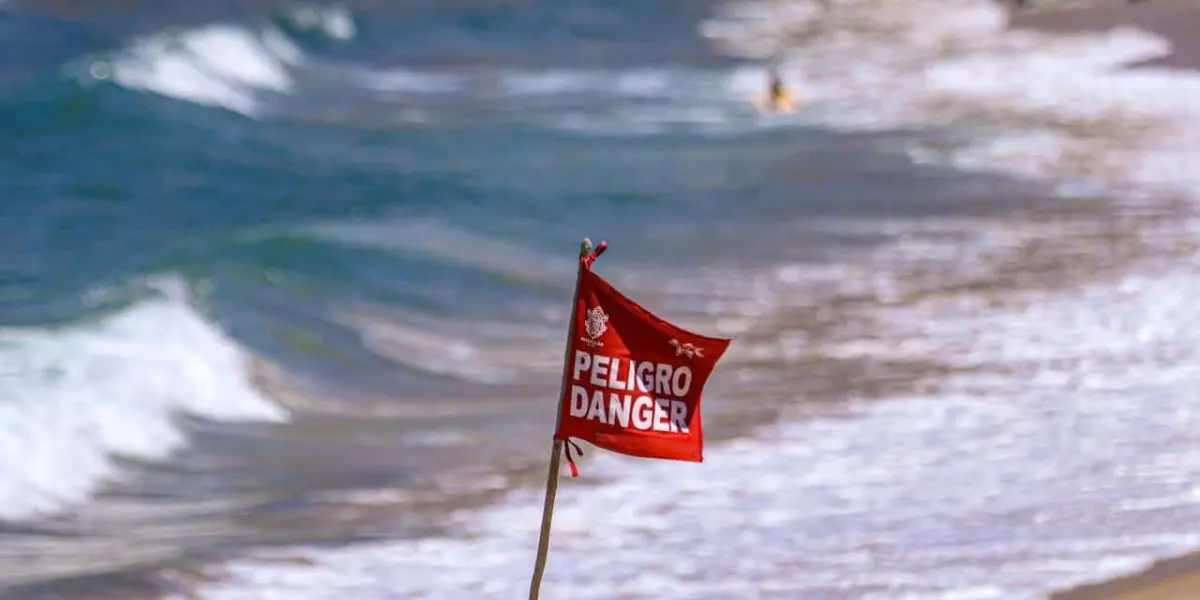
x,y
539,566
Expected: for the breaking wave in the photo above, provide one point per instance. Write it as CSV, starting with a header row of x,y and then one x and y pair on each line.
x,y
1038,428
76,398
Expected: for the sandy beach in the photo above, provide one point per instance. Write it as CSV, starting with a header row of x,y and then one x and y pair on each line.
x,y
1171,579
1179,21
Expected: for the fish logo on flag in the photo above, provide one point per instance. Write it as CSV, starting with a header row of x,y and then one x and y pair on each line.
x,y
633,381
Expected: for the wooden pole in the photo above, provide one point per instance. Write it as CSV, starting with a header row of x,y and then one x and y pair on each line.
x,y
539,566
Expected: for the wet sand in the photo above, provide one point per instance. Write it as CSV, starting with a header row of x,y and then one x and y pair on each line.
x,y
1171,579
1179,21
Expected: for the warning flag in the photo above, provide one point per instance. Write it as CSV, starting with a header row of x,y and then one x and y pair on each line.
x,y
632,380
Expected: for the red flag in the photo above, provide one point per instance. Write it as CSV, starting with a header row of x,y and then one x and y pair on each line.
x,y
632,381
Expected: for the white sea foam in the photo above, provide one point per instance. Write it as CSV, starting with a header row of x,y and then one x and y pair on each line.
x,y
71,399
994,486
237,67
335,21
1060,447
1043,105
229,66
1040,104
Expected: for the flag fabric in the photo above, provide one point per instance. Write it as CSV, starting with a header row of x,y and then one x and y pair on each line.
x,y
632,380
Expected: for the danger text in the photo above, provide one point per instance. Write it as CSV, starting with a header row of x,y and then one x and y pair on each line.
x,y
627,393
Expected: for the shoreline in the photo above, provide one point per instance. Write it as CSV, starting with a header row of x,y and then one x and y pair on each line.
x,y
1177,577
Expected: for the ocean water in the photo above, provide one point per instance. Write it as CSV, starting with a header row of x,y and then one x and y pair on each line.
x,y
282,290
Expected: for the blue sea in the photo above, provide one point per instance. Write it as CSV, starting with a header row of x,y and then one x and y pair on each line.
x,y
283,290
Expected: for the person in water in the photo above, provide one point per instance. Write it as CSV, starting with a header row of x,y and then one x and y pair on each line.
x,y
777,99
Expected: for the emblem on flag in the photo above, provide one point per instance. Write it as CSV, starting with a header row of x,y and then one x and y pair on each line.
x,y
594,326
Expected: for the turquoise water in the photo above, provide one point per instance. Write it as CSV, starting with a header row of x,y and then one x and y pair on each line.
x,y
252,259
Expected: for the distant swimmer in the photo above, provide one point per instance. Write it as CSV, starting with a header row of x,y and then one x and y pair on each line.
x,y
777,99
